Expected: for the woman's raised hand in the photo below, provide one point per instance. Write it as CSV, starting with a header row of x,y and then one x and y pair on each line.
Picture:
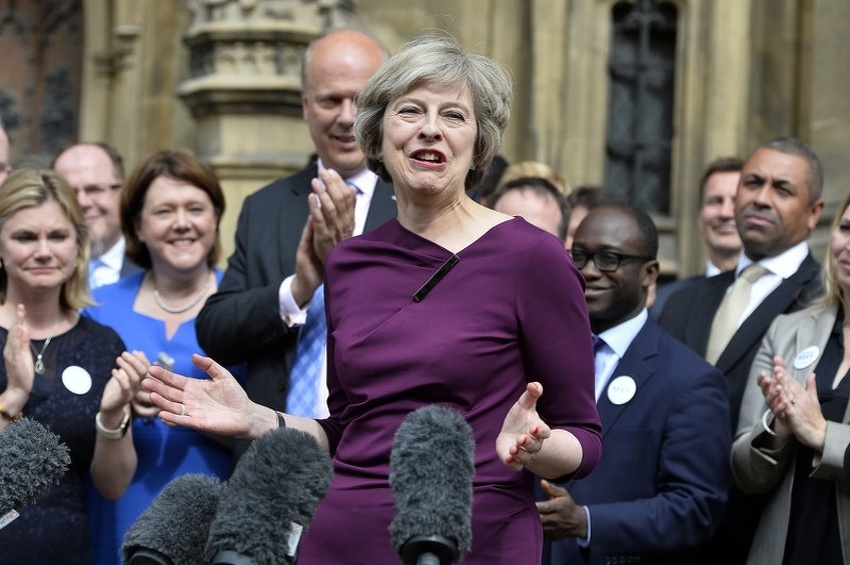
x,y
218,405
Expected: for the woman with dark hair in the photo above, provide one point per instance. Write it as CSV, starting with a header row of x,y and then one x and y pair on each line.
x,y
507,321
170,212
58,368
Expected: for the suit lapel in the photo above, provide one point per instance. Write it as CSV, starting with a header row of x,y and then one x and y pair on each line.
x,y
813,330
703,312
634,364
292,213
777,302
383,206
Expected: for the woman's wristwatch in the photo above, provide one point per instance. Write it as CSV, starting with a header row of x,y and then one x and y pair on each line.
x,y
118,432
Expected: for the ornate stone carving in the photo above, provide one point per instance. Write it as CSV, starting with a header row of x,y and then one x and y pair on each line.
x,y
245,55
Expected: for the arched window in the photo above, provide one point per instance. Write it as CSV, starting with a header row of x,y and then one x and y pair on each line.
x,y
40,77
640,107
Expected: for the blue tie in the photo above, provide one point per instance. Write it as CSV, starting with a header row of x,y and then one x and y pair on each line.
x,y
309,355
599,361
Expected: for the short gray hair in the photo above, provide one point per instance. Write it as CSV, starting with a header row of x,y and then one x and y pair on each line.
x,y
438,60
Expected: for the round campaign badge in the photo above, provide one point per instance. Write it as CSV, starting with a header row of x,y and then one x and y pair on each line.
x,y
806,357
621,390
76,379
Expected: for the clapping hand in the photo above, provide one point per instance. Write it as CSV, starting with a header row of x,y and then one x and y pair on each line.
x,y
18,358
796,409
125,385
331,221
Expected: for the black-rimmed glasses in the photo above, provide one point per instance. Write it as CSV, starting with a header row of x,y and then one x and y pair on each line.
x,y
605,261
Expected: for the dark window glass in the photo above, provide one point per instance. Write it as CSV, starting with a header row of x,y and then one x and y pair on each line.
x,y
640,112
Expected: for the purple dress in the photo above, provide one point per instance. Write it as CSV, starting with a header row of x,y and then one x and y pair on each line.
x,y
511,311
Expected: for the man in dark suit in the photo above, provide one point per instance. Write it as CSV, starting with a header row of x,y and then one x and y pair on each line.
x,y
286,229
660,488
716,223
96,173
777,205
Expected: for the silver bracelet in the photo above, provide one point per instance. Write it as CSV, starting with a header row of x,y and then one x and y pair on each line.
x,y
118,432
765,425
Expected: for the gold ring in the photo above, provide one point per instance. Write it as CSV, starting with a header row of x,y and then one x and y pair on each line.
x,y
182,409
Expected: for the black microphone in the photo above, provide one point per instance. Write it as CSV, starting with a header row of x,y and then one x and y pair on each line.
x,y
32,459
432,464
174,528
269,500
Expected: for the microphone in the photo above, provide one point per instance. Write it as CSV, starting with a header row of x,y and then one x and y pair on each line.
x,y
32,459
432,464
174,528
269,500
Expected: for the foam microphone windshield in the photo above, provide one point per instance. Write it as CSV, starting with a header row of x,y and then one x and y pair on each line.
x,y
432,465
174,528
32,459
270,500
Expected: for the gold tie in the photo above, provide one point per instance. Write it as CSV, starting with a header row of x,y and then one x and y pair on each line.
x,y
726,319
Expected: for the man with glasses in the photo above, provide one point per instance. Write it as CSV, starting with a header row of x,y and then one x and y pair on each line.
x,y
96,173
5,166
660,488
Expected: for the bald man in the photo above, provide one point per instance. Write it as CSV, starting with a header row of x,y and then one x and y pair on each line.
x,y
537,200
96,173
262,302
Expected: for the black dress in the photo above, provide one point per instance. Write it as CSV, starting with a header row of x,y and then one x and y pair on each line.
x,y
65,398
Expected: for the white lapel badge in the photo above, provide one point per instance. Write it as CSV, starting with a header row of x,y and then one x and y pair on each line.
x,y
806,357
621,390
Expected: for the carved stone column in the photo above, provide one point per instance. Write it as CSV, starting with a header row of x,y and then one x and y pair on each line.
x,y
243,87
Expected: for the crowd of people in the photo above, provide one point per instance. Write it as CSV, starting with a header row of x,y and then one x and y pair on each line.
x,y
615,419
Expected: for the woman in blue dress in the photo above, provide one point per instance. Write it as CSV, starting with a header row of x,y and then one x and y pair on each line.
x,y
170,213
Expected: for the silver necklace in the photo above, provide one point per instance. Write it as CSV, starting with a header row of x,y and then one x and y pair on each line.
x,y
39,362
183,308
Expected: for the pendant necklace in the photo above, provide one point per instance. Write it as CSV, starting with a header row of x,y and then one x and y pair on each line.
x,y
184,307
39,362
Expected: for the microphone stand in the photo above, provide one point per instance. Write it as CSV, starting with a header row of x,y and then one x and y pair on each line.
x,y
429,550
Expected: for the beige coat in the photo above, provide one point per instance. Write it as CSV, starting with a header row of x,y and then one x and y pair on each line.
x,y
757,469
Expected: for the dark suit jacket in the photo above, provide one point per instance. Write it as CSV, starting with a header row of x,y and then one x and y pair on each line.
x,y
664,292
241,322
688,316
660,488
689,313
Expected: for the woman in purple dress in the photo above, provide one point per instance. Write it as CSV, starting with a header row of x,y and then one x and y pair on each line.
x,y
506,322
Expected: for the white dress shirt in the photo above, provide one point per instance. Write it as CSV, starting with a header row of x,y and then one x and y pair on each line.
x,y
106,269
780,267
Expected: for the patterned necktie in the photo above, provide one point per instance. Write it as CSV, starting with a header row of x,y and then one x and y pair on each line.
x,y
309,356
728,315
